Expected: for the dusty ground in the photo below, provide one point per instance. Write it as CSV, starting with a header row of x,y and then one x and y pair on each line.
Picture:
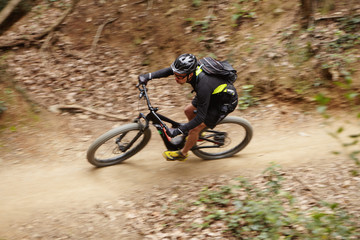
x,y
50,191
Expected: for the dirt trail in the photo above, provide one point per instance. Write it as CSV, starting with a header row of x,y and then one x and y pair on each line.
x,y
49,173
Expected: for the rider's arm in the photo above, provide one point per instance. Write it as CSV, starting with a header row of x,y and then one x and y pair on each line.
x,y
203,96
162,73
165,72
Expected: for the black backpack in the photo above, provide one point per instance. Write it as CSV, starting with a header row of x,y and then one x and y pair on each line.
x,y
221,69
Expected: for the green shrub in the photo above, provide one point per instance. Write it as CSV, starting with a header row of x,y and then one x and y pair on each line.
x,y
196,3
242,12
270,212
246,99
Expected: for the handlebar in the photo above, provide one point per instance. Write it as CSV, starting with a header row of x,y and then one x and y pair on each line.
x,y
143,93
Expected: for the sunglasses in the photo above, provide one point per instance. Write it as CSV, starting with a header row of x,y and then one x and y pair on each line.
x,y
180,76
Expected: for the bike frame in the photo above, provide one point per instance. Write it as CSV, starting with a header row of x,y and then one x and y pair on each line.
x,y
158,121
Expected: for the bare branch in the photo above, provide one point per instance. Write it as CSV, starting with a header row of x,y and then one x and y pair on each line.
x,y
8,10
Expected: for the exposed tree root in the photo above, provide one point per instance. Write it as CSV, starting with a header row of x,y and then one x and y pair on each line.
x,y
98,34
60,108
334,18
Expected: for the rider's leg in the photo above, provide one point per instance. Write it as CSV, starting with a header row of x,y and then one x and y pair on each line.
x,y
193,135
192,138
189,111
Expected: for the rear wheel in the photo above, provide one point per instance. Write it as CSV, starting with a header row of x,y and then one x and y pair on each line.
x,y
118,144
229,137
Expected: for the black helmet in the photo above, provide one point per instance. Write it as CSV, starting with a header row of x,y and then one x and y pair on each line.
x,y
184,64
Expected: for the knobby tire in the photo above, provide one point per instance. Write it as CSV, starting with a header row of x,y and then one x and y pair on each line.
x,y
235,141
109,139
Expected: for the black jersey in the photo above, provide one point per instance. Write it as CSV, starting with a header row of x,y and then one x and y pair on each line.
x,y
205,87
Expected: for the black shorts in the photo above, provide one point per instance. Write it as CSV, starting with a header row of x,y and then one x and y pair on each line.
x,y
218,109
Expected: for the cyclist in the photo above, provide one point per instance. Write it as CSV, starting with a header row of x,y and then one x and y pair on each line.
x,y
215,99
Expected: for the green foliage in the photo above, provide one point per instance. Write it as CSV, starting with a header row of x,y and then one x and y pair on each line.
x,y
271,213
13,128
352,142
202,25
337,56
3,107
215,198
247,100
180,207
331,224
344,41
350,24
354,138
274,178
351,96
6,97
299,55
137,41
241,12
341,52
322,100
196,3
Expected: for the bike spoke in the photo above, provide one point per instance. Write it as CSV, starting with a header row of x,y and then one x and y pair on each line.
x,y
223,138
116,147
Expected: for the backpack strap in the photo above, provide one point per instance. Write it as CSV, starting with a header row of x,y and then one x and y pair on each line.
x,y
219,89
198,71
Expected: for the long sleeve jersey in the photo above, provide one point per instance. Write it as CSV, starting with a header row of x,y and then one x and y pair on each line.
x,y
204,86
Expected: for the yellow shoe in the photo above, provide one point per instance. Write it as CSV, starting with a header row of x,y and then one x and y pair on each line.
x,y
174,156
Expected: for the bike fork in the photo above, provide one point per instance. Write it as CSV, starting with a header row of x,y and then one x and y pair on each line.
x,y
129,145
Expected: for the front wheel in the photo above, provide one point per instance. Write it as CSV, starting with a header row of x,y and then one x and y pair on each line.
x,y
229,137
118,144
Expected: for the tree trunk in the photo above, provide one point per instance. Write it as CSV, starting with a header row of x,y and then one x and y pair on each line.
x,y
306,12
8,9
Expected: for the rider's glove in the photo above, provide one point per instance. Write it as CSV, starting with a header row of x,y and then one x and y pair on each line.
x,y
144,78
173,132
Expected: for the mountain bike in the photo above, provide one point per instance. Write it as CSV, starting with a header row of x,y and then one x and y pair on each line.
x,y
229,137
